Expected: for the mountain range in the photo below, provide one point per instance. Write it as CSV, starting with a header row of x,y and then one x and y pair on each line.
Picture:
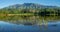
x,y
30,5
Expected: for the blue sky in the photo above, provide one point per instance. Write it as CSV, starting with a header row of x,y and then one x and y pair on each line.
x,y
5,3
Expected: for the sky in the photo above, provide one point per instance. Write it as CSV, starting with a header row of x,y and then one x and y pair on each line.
x,y
5,3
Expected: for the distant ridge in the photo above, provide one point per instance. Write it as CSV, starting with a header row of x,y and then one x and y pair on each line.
x,y
30,5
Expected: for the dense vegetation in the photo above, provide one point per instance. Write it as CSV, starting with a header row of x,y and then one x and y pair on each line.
x,y
29,12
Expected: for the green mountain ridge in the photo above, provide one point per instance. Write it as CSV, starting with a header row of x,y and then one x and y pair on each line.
x,y
30,5
28,8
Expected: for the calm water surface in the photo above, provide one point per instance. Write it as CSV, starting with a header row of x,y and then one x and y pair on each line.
x,y
9,27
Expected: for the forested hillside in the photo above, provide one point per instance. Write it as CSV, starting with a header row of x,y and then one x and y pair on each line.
x,y
29,11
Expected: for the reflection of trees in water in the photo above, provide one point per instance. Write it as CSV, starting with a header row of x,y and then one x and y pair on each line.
x,y
28,19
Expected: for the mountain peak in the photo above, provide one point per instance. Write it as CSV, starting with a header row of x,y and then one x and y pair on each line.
x,y
30,5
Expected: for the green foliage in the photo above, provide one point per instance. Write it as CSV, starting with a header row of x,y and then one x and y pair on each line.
x,y
29,14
